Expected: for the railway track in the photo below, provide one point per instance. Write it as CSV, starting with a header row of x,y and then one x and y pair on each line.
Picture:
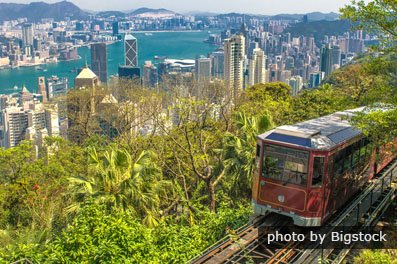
x,y
251,241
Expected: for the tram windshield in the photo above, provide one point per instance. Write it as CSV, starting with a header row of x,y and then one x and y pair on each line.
x,y
285,165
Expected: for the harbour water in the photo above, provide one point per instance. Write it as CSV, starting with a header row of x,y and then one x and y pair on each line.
x,y
176,45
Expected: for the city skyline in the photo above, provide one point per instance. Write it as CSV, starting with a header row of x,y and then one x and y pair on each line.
x,y
266,7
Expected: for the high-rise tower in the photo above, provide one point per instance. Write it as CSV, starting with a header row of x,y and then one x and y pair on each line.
x,y
131,51
326,60
99,61
257,67
27,35
234,63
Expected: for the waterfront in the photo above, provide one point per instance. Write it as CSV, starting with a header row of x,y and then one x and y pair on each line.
x,y
178,45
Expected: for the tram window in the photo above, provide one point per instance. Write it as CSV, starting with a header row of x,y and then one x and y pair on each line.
x,y
347,163
338,163
356,154
318,171
284,164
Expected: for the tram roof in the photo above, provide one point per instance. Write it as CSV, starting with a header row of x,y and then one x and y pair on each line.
x,y
320,134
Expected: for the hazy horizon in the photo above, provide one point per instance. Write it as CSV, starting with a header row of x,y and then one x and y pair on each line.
x,y
265,7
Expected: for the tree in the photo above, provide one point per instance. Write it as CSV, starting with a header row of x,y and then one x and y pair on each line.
x,y
239,151
264,98
120,183
379,17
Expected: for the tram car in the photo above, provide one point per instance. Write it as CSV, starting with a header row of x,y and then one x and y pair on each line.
x,y
309,170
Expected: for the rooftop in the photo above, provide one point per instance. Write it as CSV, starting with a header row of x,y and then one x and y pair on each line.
x,y
320,133
86,73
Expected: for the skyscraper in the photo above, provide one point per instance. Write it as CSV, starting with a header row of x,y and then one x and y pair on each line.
x,y
336,55
257,67
99,61
131,51
27,35
115,28
203,69
326,60
234,63
218,63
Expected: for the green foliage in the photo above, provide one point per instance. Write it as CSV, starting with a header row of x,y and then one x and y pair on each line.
x,y
379,126
239,152
379,16
115,180
375,256
315,103
96,236
263,99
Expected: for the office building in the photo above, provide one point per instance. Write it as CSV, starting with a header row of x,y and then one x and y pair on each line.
x,y
27,35
129,72
115,28
257,67
234,63
315,79
56,86
326,60
336,55
296,83
150,75
99,61
131,51
203,69
218,64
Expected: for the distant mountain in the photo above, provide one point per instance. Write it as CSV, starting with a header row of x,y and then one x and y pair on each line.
x,y
106,14
149,11
201,14
314,16
318,29
38,10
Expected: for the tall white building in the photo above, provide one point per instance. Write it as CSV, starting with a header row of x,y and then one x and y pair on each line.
x,y
234,63
33,124
257,67
15,123
296,83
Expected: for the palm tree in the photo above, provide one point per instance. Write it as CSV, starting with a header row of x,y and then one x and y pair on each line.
x,y
239,150
119,183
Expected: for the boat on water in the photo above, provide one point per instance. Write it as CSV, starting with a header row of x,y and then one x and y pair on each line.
x,y
148,34
160,57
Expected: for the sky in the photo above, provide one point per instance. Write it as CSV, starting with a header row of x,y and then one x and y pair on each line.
x,y
265,7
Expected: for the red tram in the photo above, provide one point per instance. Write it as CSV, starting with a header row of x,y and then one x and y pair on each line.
x,y
309,170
